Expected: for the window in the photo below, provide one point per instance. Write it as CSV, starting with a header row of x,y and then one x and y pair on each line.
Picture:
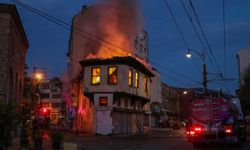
x,y
45,104
145,84
141,47
96,76
56,96
44,95
136,79
119,103
112,75
44,86
103,101
56,105
126,103
130,77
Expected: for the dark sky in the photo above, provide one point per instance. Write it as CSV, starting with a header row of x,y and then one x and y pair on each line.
x,y
49,42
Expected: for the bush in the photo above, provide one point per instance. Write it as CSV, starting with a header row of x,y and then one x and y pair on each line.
x,y
9,120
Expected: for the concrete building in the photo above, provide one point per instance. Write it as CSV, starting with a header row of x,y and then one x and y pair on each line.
x,y
13,47
243,58
94,50
141,45
170,101
50,96
153,108
118,88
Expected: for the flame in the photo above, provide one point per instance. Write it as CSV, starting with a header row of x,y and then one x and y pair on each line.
x,y
110,29
118,31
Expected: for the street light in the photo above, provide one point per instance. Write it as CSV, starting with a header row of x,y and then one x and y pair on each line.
x,y
39,76
188,55
204,71
185,92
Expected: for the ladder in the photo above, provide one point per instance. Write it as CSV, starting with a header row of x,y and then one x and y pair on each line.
x,y
215,110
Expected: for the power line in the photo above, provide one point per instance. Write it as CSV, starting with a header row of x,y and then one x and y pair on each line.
x,y
224,38
176,24
179,29
197,34
78,30
67,26
204,36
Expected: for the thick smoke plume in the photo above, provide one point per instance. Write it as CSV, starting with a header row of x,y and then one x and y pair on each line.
x,y
104,30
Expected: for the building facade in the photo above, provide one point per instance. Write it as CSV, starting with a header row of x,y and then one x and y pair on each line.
x,y
50,96
243,58
141,45
170,101
118,89
13,47
125,104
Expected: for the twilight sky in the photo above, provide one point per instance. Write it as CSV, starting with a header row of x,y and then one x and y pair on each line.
x,y
49,42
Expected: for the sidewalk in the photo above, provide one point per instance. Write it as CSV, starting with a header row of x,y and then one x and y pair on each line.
x,y
16,144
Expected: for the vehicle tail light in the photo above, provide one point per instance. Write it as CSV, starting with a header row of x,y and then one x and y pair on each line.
x,y
192,133
228,129
195,130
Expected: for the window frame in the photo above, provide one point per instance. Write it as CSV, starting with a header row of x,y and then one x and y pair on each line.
x,y
92,76
132,77
145,83
108,80
103,97
136,84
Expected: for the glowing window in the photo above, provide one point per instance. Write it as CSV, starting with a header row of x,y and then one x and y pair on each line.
x,y
136,79
103,101
130,77
145,84
96,76
112,75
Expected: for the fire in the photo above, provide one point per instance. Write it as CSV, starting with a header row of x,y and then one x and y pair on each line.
x,y
102,30
116,26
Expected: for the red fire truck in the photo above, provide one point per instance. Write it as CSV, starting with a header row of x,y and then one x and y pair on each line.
x,y
216,120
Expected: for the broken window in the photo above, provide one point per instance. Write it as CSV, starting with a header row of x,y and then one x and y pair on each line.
x,y
112,75
96,76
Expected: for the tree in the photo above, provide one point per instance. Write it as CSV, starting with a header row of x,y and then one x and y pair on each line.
x,y
9,120
245,92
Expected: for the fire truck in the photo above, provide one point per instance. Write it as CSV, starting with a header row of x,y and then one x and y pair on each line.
x,y
216,120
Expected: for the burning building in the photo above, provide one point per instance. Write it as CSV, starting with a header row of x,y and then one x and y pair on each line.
x,y
109,89
118,88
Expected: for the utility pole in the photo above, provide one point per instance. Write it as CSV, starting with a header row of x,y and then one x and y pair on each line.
x,y
204,73
204,69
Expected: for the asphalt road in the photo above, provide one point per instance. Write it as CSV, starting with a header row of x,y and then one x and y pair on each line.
x,y
157,140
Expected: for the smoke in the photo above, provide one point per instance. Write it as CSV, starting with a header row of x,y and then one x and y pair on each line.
x,y
104,30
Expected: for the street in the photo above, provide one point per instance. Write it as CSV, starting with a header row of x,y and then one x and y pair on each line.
x,y
157,140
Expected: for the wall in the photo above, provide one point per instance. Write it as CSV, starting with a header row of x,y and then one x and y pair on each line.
x,y
103,119
122,85
12,58
244,61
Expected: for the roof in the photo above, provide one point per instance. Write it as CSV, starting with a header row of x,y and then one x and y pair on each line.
x,y
11,9
126,60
